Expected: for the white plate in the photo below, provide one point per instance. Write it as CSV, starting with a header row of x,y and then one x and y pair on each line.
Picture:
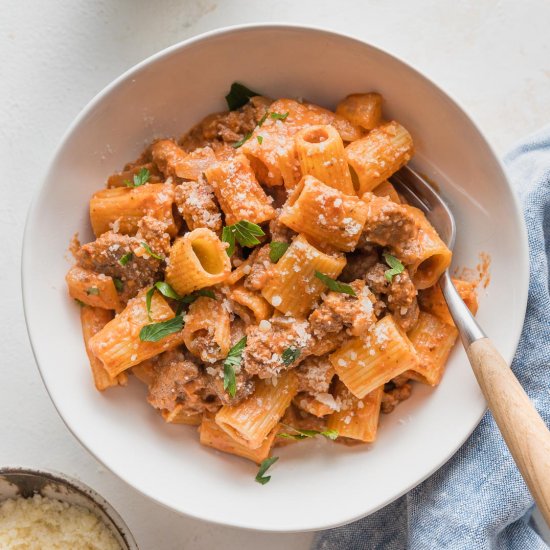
x,y
314,485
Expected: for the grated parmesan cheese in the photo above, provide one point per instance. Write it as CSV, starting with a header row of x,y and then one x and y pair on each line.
x,y
49,524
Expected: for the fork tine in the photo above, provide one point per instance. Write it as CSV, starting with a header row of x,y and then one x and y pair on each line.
x,y
420,194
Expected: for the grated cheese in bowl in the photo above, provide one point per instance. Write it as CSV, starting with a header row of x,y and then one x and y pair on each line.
x,y
41,523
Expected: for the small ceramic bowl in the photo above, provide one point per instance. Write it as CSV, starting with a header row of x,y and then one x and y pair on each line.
x,y
25,483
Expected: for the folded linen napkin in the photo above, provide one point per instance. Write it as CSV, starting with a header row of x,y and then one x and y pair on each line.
x,y
478,500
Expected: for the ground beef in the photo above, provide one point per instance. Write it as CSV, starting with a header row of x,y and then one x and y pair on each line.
x,y
229,126
388,223
400,294
104,254
179,380
395,391
260,266
265,355
154,233
279,231
339,311
314,375
358,263
197,204
244,382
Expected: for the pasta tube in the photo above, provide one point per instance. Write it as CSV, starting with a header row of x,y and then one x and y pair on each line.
x,y
293,287
197,260
123,207
363,110
92,289
365,363
433,340
211,435
425,256
376,157
118,345
207,330
250,422
325,214
321,154
240,195
93,319
253,302
357,418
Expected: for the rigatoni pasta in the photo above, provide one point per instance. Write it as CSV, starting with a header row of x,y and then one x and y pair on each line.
x,y
264,280
325,214
380,154
293,287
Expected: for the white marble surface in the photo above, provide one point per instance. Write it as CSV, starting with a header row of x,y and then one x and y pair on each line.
x,y
492,55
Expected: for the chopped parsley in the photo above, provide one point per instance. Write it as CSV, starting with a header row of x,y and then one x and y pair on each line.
x,y
242,141
396,267
150,252
119,285
264,466
157,331
276,250
334,285
233,359
238,96
79,302
92,291
278,116
290,355
263,119
244,232
190,298
304,434
260,139
125,259
141,178
167,291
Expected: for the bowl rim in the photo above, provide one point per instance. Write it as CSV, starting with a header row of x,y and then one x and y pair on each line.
x,y
522,261
82,489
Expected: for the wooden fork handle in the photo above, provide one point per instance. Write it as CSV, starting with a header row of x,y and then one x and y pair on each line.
x,y
522,428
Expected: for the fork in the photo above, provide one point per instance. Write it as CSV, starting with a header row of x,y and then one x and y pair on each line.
x,y
522,428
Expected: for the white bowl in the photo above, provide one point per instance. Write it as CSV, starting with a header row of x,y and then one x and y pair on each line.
x,y
313,485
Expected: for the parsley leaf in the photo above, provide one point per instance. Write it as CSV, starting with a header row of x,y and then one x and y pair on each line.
x,y
396,266
264,466
157,331
278,116
92,291
150,252
148,298
238,96
304,434
238,144
290,355
141,178
244,232
119,285
233,359
260,139
190,298
263,119
125,259
79,302
276,250
334,285
167,291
